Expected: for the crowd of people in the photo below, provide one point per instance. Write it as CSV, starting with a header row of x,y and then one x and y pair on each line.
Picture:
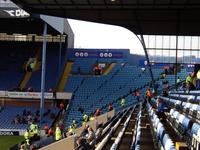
x,y
28,117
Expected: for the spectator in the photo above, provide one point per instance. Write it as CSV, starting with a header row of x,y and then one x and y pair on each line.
x,y
148,94
17,119
178,80
110,107
137,94
91,135
98,112
62,107
161,109
24,112
99,131
85,131
50,132
82,144
46,128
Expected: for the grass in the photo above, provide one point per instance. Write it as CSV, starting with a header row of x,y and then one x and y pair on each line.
x,y
8,141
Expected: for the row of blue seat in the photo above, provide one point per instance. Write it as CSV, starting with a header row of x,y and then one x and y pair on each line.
x,y
185,127
163,139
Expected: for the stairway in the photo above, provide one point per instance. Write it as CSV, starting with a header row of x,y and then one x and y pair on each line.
x,y
28,74
146,136
64,77
110,67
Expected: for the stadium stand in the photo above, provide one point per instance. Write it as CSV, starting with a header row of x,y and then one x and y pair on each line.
x,y
25,116
14,55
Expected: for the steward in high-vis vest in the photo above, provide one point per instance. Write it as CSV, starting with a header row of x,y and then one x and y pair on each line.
x,y
85,119
58,135
27,137
189,82
34,131
123,102
72,127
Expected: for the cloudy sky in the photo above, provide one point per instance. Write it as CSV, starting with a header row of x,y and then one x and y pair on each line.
x,y
95,35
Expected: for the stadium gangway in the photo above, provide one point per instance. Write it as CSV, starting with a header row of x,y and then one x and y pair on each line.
x,y
137,131
112,130
121,133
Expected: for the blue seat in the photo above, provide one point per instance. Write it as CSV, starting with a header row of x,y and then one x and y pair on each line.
x,y
167,143
195,128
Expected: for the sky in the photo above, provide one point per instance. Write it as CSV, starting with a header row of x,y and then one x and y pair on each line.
x,y
96,35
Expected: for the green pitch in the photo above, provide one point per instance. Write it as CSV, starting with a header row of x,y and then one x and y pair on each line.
x,y
7,141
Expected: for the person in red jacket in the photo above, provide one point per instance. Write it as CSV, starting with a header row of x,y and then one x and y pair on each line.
x,y
98,112
50,132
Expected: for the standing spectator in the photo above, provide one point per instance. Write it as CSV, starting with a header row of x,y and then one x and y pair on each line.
x,y
148,94
178,80
137,94
98,112
50,132
62,106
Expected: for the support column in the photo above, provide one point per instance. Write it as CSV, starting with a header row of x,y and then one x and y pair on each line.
x,y
176,68
59,59
43,74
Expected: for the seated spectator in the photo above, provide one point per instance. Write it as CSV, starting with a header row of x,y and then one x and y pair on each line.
x,y
24,112
99,131
82,144
161,107
91,135
85,131
30,89
17,119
